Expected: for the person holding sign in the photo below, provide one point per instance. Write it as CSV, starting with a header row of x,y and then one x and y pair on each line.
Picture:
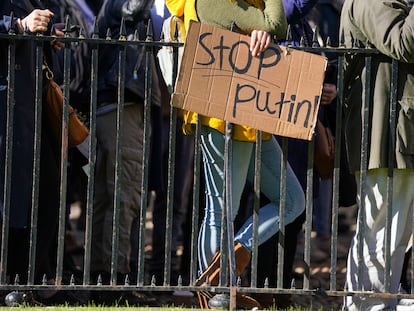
x,y
384,230
262,20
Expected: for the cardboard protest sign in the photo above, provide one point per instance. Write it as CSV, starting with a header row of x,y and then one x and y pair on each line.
x,y
277,92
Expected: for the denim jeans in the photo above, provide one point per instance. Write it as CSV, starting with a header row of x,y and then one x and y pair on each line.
x,y
242,162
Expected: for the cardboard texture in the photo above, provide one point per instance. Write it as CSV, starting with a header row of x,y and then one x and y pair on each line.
x,y
277,92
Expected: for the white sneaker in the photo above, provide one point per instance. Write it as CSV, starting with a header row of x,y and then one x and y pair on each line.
x,y
405,304
365,304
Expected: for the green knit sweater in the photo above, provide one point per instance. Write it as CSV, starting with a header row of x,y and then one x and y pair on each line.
x,y
246,17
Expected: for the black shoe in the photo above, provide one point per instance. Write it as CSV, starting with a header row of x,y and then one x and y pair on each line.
x,y
19,299
243,301
219,301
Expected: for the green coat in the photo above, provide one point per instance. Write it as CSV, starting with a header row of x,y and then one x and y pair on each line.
x,y
389,26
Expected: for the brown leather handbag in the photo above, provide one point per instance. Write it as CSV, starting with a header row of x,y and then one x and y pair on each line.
x,y
53,104
324,152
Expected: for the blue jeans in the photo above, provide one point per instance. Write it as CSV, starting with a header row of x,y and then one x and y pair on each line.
x,y
212,144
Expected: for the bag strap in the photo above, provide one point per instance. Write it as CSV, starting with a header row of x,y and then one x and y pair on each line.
x,y
46,69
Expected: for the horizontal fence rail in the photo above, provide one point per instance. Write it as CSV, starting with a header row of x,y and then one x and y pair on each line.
x,y
141,279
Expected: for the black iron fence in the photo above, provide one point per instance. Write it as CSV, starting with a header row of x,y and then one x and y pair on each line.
x,y
141,278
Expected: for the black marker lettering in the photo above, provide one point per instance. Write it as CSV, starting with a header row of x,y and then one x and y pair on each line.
x,y
309,106
264,65
200,40
292,105
242,98
266,106
232,62
221,47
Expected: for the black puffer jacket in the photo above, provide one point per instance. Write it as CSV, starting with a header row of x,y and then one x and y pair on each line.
x,y
136,14
24,123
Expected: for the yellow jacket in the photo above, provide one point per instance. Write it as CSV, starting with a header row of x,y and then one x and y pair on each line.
x,y
186,9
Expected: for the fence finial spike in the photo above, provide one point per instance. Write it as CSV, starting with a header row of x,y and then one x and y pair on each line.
x,y
175,31
356,43
289,35
162,38
153,281
302,41
293,284
95,33
150,34
315,43
266,283
11,29
44,279
81,33
99,281
328,42
369,45
108,34
342,39
136,35
122,30
180,280
66,30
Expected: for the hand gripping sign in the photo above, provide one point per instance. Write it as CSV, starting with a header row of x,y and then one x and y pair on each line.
x,y
277,92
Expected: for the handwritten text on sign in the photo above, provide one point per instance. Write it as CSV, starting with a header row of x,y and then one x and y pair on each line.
x,y
277,92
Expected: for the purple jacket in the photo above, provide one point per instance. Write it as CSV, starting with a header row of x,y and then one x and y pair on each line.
x,y
297,9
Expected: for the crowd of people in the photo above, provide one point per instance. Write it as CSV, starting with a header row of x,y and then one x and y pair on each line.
x,y
120,146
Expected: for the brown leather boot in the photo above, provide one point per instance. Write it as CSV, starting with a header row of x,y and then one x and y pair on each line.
x,y
212,272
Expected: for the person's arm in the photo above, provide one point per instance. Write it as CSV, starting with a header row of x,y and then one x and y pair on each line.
x,y
131,10
388,25
223,13
37,21
136,9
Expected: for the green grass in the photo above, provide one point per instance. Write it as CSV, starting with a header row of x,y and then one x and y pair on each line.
x,y
97,308
88,308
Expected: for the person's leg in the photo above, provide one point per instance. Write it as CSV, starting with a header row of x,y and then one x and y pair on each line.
x,y
102,221
322,210
48,210
183,189
268,215
270,187
157,180
105,186
212,145
373,256
130,189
